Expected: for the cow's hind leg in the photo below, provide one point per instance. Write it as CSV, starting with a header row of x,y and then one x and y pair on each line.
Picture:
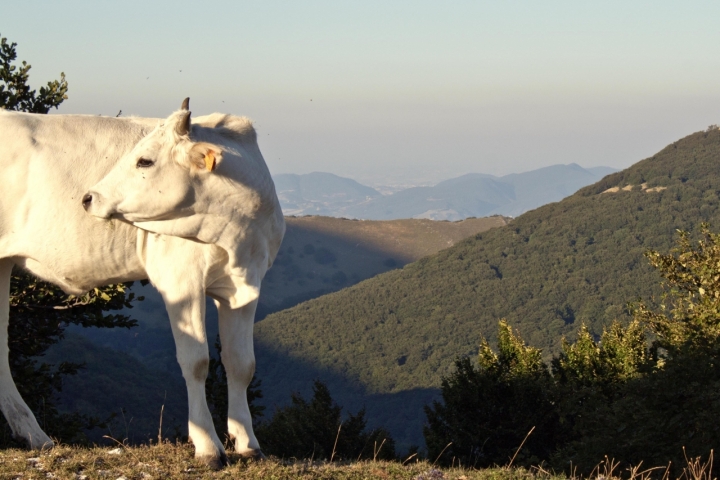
x,y
20,418
238,357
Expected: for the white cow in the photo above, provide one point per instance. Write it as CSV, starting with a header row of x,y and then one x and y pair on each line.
x,y
191,207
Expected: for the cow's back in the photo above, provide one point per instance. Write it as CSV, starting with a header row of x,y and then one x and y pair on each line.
x,y
49,162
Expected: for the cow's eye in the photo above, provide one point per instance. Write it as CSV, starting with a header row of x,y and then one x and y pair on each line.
x,y
145,163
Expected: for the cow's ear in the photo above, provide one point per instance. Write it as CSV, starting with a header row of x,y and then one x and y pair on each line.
x,y
205,156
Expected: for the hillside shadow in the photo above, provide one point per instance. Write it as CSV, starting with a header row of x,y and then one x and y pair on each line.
x,y
124,367
401,413
113,383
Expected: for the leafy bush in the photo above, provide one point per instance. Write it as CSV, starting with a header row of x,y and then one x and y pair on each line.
x,y
671,403
488,410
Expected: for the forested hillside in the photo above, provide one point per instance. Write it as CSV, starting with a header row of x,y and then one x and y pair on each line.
x,y
387,341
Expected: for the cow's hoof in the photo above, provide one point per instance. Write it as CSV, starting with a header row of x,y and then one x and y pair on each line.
x,y
39,442
253,454
215,462
49,445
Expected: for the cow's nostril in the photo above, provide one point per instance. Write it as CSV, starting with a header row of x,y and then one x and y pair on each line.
x,y
86,201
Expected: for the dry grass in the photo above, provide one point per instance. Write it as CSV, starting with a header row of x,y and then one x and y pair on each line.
x,y
176,461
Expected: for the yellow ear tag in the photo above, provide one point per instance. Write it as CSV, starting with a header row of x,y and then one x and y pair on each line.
x,y
210,161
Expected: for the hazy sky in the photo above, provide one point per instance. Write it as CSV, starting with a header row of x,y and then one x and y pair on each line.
x,y
393,90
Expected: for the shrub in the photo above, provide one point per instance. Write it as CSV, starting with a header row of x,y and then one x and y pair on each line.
x,y
488,410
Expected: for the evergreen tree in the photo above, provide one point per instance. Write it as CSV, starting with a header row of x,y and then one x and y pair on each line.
x,y
316,429
15,93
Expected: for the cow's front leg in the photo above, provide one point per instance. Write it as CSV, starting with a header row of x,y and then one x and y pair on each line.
x,y
175,267
188,326
20,418
238,358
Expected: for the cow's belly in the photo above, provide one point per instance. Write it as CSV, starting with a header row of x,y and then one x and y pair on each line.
x,y
79,259
77,282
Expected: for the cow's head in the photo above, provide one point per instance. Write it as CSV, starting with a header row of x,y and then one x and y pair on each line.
x,y
158,178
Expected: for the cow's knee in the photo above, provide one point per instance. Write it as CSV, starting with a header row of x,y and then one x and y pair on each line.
x,y
200,369
239,366
194,366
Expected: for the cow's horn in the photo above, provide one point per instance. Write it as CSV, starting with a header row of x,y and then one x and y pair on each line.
x,y
183,125
185,104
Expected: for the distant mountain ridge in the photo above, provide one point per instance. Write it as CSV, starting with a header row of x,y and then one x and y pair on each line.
x,y
319,193
470,195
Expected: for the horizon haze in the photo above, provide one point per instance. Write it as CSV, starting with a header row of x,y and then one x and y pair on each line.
x,y
404,91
